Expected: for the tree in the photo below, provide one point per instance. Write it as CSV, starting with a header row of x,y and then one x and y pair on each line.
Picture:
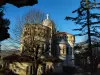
x,y
35,44
4,26
85,19
19,3
32,49
31,17
95,46
5,22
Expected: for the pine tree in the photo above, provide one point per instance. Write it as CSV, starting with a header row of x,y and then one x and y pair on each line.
x,y
89,22
4,26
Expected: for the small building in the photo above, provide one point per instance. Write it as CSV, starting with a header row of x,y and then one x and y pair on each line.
x,y
64,48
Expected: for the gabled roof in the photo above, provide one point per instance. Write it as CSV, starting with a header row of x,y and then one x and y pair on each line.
x,y
63,33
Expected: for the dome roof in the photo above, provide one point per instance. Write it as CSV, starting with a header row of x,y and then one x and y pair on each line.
x,y
47,21
63,41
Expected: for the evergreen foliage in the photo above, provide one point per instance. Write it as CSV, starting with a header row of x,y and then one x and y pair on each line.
x,y
81,18
4,26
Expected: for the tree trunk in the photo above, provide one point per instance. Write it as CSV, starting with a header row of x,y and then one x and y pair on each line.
x,y
35,68
89,41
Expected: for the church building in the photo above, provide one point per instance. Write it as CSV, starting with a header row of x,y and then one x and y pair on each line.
x,y
58,48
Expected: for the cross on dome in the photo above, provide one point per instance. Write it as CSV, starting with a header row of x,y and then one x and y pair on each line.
x,y
47,16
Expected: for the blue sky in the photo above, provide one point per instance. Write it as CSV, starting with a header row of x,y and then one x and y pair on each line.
x,y
57,9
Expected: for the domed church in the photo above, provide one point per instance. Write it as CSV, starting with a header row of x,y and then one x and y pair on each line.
x,y
55,49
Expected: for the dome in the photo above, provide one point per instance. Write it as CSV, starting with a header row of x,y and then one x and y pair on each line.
x,y
63,41
47,21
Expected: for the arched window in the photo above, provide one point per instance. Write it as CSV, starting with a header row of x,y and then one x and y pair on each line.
x,y
64,49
